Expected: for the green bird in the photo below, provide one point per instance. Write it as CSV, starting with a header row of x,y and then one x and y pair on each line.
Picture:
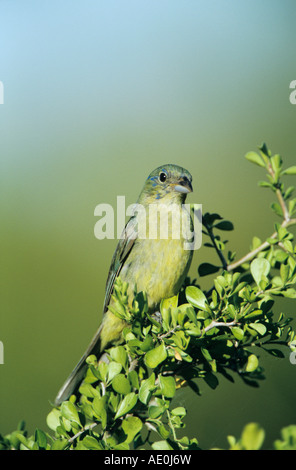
x,y
153,262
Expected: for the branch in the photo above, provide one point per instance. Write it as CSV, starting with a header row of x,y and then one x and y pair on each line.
x,y
85,428
168,333
213,240
215,324
279,195
286,222
263,246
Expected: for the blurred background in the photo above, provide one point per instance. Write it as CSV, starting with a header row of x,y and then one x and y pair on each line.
x,y
96,95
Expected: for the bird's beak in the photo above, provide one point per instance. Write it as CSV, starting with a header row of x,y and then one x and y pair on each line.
x,y
183,186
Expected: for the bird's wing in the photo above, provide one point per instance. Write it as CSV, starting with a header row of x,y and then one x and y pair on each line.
x,y
123,249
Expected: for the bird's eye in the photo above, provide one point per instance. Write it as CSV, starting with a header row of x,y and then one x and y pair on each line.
x,y
162,177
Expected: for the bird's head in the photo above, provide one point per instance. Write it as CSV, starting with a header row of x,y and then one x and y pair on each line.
x,y
167,183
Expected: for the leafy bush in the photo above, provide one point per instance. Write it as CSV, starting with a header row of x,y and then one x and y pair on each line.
x,y
126,402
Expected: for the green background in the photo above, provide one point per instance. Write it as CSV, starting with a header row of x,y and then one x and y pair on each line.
x,y
96,95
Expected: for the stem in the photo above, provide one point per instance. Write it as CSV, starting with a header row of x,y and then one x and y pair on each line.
x,y
168,333
85,428
279,195
213,240
286,222
263,246
215,324
283,205
171,424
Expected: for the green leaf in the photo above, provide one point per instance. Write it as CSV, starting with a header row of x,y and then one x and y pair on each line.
x,y
290,171
69,411
252,363
157,408
206,354
277,209
114,368
121,384
264,150
167,386
119,355
276,163
260,268
290,293
196,297
256,242
134,379
280,256
126,404
288,441
99,404
40,438
253,157
171,302
147,344
237,332
163,431
88,390
252,437
99,409
91,443
53,419
155,356
265,184
146,388
259,327
179,411
284,272
161,445
292,205
289,191
102,371
59,444
155,412
131,425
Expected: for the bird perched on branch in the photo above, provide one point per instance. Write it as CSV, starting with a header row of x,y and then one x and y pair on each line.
x,y
153,259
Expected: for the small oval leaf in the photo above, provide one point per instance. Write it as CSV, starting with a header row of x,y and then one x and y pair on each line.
x,y
253,157
260,268
252,363
196,297
126,405
155,356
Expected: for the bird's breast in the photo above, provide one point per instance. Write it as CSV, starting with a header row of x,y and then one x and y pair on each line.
x,y
159,262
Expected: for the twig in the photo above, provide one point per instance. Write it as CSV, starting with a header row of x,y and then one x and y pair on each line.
x,y
286,222
215,324
262,247
85,428
213,240
279,195
170,331
283,205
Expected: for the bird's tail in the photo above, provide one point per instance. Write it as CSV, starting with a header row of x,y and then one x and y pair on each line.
x,y
75,378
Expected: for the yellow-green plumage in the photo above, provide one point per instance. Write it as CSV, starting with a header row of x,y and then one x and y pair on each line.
x,y
153,264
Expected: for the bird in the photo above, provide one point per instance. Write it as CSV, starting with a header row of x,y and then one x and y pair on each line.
x,y
154,264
